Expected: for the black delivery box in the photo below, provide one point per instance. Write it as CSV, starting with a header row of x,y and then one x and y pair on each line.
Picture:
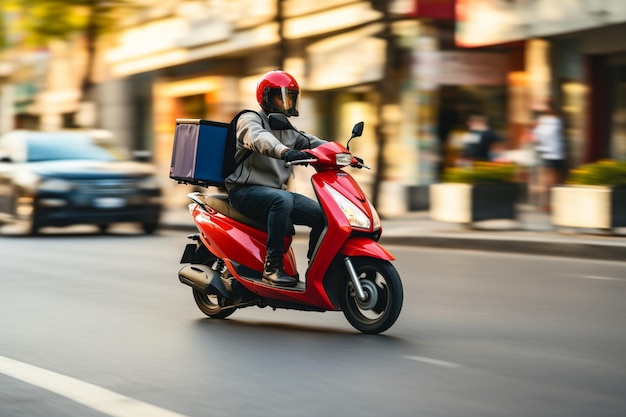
x,y
198,154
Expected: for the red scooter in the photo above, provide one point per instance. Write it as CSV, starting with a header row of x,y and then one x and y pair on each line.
x,y
349,271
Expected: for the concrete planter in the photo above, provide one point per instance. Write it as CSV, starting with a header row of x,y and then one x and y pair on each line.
x,y
593,207
467,203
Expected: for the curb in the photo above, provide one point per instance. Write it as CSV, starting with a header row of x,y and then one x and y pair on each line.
x,y
584,250
581,250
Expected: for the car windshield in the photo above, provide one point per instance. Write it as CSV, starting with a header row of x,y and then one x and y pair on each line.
x,y
64,146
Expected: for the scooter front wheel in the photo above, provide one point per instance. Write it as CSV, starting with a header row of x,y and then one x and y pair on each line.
x,y
209,304
384,295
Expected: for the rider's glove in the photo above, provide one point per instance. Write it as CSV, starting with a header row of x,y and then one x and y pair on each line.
x,y
294,155
360,161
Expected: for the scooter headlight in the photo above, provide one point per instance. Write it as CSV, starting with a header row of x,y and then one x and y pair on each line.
x,y
343,159
355,216
375,216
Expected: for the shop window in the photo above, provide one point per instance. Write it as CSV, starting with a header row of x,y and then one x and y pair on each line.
x,y
26,121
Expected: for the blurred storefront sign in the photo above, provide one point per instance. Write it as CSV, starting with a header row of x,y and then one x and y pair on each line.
x,y
435,68
434,9
471,68
205,32
331,20
137,52
350,59
484,22
133,57
489,22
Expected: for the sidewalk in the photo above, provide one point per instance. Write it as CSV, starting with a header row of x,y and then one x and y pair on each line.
x,y
532,233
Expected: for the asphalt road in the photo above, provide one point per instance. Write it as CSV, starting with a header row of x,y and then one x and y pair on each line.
x,y
100,326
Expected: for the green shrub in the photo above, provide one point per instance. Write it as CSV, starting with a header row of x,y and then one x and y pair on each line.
x,y
605,172
481,173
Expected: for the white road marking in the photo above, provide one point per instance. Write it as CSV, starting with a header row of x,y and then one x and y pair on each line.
x,y
434,361
602,278
97,398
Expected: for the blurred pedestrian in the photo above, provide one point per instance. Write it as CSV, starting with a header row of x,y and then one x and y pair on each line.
x,y
448,119
479,141
550,146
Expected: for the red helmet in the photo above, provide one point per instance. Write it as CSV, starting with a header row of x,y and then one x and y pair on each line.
x,y
277,91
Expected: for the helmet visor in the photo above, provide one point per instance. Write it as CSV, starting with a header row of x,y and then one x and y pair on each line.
x,y
290,103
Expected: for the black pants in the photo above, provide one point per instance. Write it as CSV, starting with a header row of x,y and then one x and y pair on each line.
x,y
281,209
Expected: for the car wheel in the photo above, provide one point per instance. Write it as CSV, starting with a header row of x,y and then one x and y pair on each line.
x,y
149,227
34,227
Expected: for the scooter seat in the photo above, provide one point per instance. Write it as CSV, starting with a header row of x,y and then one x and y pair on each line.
x,y
220,203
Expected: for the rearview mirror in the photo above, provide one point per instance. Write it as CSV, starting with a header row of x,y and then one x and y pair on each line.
x,y
357,131
279,121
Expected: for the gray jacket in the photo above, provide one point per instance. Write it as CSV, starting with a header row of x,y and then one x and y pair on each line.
x,y
264,165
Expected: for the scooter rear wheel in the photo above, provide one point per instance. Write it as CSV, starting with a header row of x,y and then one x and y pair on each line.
x,y
209,304
383,288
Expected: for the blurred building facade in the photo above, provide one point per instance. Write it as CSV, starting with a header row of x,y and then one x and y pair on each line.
x,y
572,52
355,60
402,66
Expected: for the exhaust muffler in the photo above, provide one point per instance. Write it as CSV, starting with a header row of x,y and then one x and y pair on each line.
x,y
202,278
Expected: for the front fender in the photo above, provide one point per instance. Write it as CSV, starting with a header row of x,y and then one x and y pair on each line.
x,y
361,246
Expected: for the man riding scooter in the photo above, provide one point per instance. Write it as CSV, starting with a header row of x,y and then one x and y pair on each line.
x,y
257,188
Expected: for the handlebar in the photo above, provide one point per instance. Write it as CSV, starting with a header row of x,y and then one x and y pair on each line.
x,y
313,160
300,162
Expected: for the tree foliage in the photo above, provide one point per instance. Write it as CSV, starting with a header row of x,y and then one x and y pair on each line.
x,y
44,20
7,9
61,19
